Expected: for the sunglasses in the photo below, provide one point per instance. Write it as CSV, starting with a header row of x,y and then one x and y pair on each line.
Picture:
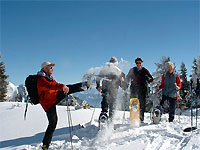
x,y
138,62
50,67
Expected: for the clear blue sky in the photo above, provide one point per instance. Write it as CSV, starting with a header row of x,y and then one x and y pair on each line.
x,y
78,35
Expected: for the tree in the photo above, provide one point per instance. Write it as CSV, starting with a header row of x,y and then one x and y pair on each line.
x,y
3,82
198,67
184,82
195,71
194,77
161,69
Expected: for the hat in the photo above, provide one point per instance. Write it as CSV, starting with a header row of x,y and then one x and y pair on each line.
x,y
113,59
47,63
138,59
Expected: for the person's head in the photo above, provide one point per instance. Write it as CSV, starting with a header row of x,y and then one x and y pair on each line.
x,y
170,67
139,62
113,60
47,67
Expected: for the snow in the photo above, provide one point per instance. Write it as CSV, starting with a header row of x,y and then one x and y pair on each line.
x,y
17,133
11,92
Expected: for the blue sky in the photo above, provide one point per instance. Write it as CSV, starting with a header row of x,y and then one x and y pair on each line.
x,y
78,35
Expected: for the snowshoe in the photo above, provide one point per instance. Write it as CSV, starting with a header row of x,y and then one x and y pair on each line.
x,y
103,119
156,115
135,112
44,147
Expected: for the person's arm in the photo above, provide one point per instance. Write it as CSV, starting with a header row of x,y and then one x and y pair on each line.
x,y
98,82
150,78
98,79
178,81
162,83
122,81
128,77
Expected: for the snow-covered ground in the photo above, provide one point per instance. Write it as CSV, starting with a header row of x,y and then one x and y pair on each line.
x,y
17,133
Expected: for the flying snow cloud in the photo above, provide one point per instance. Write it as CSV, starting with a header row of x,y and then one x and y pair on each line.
x,y
123,65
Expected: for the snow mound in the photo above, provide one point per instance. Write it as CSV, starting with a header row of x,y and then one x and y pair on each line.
x,y
11,92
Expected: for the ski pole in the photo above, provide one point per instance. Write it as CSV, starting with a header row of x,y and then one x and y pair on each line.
x,y
191,105
124,117
70,124
191,112
180,104
94,108
124,104
149,98
191,128
70,117
196,110
178,100
26,110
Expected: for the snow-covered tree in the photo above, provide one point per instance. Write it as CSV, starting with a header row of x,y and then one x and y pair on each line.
x,y
161,69
195,71
184,82
3,82
194,77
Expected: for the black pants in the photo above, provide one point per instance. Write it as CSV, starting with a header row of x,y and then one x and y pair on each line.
x,y
172,106
52,118
109,100
52,114
140,93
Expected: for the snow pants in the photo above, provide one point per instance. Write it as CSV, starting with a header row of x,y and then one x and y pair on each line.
x,y
52,113
172,106
109,100
52,118
140,93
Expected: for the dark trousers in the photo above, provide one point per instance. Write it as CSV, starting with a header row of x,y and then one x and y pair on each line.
x,y
52,114
172,106
52,118
140,93
109,101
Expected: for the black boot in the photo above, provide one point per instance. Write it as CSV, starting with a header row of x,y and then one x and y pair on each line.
x,y
103,117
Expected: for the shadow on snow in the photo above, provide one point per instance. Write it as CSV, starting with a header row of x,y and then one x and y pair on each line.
x,y
59,134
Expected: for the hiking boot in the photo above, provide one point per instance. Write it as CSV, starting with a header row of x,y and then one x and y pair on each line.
x,y
44,147
103,117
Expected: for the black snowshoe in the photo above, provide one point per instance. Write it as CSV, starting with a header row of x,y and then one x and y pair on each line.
x,y
103,119
156,115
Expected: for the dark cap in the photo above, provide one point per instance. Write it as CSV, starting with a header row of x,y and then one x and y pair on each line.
x,y
113,59
138,59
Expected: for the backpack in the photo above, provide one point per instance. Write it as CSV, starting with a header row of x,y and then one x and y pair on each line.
x,y
31,86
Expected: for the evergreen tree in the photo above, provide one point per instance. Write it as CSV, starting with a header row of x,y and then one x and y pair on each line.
x,y
194,77
3,83
184,82
195,72
161,69
198,67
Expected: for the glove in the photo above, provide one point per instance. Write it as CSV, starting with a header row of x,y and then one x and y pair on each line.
x,y
86,85
177,87
98,89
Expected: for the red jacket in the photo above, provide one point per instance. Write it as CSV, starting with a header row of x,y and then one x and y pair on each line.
x,y
47,91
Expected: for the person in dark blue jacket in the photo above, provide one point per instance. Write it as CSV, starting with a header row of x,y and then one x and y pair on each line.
x,y
138,76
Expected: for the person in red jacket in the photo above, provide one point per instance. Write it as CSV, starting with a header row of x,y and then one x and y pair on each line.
x,y
51,93
170,86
